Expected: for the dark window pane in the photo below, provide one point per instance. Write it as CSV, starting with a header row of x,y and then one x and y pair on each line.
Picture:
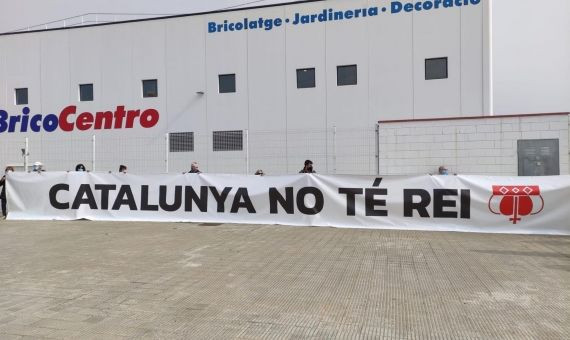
x,y
22,96
436,68
305,78
346,75
150,88
86,92
228,140
181,141
227,83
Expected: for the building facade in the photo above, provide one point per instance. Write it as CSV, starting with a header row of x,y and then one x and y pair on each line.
x,y
245,89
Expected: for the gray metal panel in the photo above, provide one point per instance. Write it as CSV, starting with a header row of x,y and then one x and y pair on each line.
x,y
539,157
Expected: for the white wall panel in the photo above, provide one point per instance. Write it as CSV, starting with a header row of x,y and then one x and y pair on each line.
x,y
306,46
437,34
472,50
55,68
226,53
531,53
186,75
117,84
22,57
347,44
391,92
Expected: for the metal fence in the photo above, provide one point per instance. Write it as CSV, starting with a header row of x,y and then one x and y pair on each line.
x,y
333,151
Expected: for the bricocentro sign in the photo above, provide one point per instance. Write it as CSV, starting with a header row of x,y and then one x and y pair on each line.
x,y
69,120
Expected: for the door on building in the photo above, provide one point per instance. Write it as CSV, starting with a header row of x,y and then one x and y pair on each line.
x,y
539,157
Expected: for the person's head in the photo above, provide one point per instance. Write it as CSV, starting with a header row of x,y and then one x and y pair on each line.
x,y
309,165
9,169
123,168
80,167
259,173
38,166
443,170
194,166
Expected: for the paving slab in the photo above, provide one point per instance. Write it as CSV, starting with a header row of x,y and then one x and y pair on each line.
x,y
107,280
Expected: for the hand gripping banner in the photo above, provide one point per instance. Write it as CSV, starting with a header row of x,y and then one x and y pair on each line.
x,y
528,205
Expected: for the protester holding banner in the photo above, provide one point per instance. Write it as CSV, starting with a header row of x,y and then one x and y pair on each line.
x,y
3,192
308,168
194,168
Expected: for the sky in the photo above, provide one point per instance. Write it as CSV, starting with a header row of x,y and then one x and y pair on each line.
x,y
18,14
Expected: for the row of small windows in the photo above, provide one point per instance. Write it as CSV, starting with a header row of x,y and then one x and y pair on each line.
x,y
435,68
221,141
149,90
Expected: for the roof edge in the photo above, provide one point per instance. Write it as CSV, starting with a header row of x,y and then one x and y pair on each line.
x,y
473,117
166,17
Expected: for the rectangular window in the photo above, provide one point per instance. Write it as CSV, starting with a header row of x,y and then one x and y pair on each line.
x,y
228,140
181,141
22,96
436,68
305,78
150,88
346,75
86,92
227,83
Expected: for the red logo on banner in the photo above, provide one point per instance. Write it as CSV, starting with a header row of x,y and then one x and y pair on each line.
x,y
516,201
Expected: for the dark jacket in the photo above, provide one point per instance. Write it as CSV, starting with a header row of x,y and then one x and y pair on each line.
x,y
3,185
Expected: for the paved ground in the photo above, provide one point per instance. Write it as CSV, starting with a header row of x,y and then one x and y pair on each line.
x,y
142,280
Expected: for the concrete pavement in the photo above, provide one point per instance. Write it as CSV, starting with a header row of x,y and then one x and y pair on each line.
x,y
104,280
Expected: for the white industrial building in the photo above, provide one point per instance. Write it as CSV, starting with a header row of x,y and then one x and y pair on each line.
x,y
359,87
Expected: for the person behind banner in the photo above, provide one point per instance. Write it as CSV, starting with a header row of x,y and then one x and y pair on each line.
x,y
123,169
194,168
259,173
308,168
80,168
38,167
3,192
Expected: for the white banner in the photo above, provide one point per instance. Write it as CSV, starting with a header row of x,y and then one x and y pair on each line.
x,y
528,205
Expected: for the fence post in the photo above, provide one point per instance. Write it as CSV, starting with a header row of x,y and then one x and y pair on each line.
x,y
166,151
377,153
334,149
26,155
93,151
246,151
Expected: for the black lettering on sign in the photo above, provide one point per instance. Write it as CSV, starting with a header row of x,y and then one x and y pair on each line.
x,y
440,203
287,202
162,201
125,197
466,204
84,190
220,198
350,199
53,196
200,201
319,201
145,206
420,207
105,189
242,200
372,202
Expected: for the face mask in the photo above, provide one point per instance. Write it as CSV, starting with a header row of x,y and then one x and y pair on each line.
x,y
444,172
